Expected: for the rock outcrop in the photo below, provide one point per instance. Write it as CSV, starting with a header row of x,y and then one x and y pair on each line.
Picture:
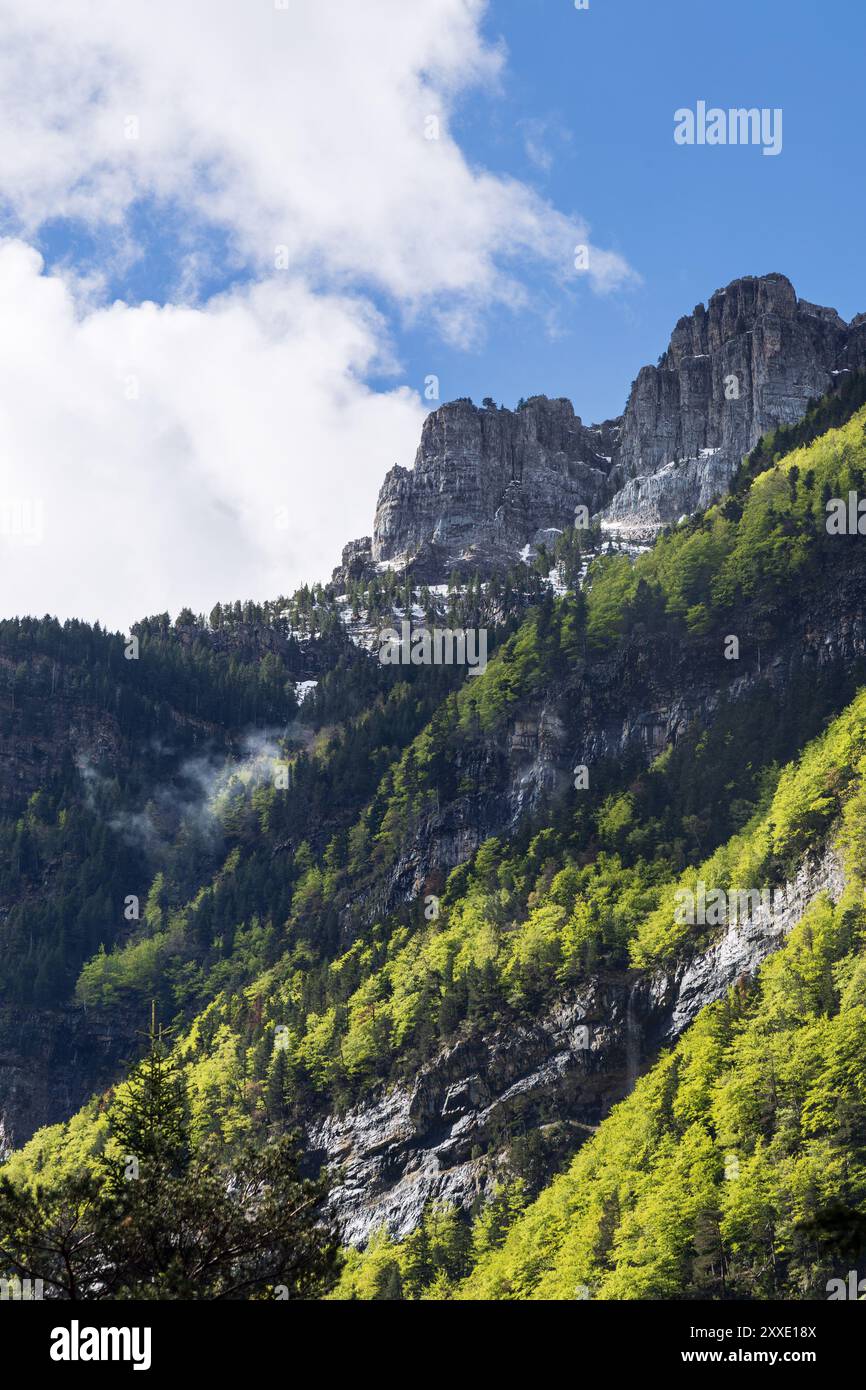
x,y
52,1061
488,482
444,1135
735,370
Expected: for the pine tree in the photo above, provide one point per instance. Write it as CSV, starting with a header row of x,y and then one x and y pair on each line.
x,y
181,1223
150,1125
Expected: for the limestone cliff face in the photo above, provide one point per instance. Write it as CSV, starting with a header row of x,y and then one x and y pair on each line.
x,y
53,1060
442,1135
486,482
735,370
489,482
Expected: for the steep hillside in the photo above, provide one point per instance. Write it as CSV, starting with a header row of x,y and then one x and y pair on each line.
x,y
475,963
122,783
737,1166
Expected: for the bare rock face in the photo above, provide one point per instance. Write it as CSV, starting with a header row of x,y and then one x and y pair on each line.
x,y
854,356
745,944
442,1136
734,371
52,1061
488,482
356,560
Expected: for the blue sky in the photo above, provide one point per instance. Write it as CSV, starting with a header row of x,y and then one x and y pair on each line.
x,y
583,112
168,390
606,82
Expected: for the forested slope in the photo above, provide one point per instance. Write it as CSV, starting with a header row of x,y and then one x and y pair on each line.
x,y
432,869
737,1166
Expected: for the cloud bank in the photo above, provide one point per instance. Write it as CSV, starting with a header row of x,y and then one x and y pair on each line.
x,y
190,451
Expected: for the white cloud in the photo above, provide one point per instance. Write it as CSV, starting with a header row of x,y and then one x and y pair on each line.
x,y
536,143
304,128
184,455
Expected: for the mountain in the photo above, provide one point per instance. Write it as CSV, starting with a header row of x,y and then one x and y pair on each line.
x,y
432,921
488,482
733,371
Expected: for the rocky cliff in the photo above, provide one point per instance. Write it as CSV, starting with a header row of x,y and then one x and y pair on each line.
x,y
734,370
53,1060
489,482
444,1136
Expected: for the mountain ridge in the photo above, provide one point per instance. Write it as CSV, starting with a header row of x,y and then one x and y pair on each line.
x,y
490,485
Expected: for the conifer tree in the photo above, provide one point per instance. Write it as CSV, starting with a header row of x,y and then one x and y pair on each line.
x,y
176,1221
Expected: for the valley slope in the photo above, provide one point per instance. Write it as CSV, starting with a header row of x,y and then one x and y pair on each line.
x,y
431,944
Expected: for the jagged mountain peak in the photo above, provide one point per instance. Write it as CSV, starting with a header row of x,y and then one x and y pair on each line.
x,y
488,482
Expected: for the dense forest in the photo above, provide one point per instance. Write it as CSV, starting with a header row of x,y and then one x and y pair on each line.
x,y
235,856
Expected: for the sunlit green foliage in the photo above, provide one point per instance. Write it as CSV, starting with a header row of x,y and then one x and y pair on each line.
x,y
285,994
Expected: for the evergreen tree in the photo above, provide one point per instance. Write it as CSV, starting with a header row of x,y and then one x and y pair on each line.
x,y
175,1222
150,1123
